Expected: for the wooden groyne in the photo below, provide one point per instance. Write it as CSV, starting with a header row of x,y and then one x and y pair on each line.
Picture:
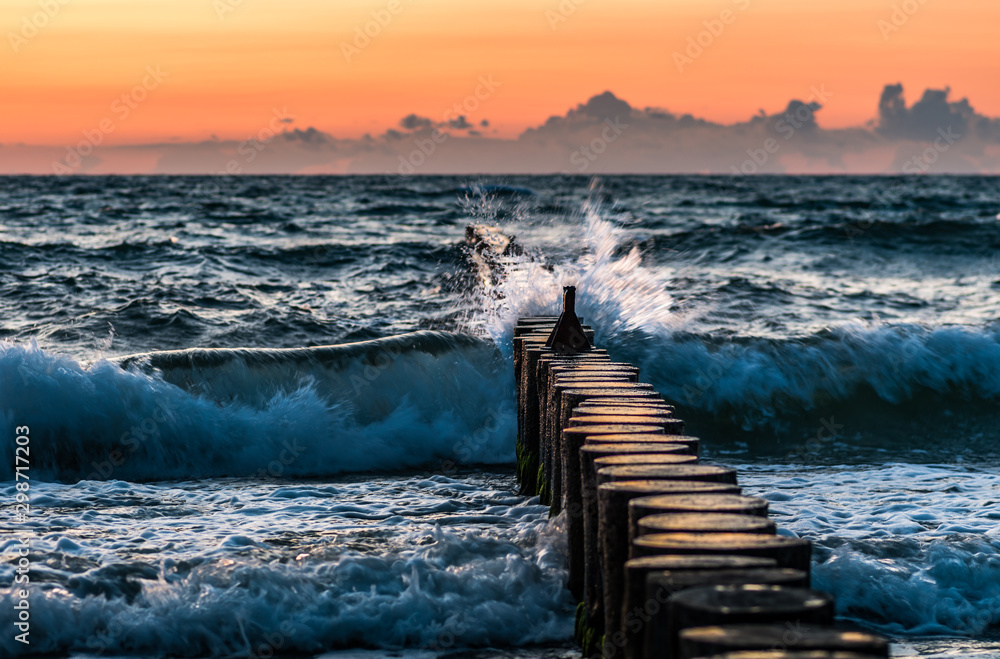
x,y
667,557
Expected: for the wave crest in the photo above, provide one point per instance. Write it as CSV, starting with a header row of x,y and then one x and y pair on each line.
x,y
386,404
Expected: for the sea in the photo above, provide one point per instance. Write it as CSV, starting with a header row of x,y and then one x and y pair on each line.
x,y
835,339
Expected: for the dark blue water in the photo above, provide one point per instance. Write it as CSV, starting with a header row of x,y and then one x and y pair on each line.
x,y
833,337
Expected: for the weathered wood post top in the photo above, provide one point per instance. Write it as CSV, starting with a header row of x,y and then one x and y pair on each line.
x,y
567,336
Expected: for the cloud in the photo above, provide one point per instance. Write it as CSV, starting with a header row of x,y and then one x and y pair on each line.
x,y
307,136
604,134
604,106
416,122
799,115
922,121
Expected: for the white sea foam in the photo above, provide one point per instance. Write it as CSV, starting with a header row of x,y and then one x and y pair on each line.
x,y
907,549
237,568
614,294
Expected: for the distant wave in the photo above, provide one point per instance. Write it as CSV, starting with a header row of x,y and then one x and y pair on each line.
x,y
757,379
386,404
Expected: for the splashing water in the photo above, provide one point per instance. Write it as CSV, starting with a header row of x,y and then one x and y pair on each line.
x,y
615,294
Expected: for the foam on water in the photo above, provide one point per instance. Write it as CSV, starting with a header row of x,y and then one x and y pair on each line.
x,y
906,549
245,568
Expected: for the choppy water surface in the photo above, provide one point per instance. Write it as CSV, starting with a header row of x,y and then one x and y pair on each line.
x,y
833,337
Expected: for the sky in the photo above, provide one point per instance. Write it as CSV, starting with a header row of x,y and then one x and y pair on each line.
x,y
134,73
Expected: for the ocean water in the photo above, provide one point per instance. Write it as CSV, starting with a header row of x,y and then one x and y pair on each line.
x,y
834,338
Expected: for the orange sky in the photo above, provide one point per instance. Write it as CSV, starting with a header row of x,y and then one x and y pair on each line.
x,y
228,65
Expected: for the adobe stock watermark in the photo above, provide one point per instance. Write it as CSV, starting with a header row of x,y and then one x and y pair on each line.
x,y
253,146
706,379
588,153
648,615
122,108
427,146
223,7
32,25
22,508
375,366
828,431
151,428
269,645
919,163
635,621
714,28
22,606
132,440
364,34
923,161
562,12
290,452
912,348
447,639
466,449
786,126
899,17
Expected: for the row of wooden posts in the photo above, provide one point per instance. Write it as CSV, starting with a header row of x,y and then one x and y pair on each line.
x,y
666,556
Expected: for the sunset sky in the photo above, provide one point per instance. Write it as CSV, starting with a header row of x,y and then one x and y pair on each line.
x,y
226,66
